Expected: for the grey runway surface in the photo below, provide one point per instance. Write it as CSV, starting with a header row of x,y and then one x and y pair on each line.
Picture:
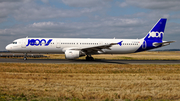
x,y
63,61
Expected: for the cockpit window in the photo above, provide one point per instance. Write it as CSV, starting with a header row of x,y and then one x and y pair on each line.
x,y
14,42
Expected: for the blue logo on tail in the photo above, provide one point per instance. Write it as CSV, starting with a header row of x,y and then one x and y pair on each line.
x,y
155,35
157,32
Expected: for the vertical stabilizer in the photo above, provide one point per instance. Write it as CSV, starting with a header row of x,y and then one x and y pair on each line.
x,y
157,32
154,37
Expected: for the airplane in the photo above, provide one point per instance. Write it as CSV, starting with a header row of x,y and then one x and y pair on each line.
x,y
76,47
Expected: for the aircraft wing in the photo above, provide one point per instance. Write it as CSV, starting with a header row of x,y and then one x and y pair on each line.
x,y
95,49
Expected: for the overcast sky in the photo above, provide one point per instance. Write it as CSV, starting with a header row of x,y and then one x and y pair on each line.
x,y
129,19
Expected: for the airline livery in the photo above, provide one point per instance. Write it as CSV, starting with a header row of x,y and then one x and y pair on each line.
x,y
76,47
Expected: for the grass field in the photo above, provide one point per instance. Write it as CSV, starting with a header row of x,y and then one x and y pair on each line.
x,y
51,82
135,56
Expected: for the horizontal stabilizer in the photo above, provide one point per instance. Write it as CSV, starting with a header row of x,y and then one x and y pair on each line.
x,y
163,43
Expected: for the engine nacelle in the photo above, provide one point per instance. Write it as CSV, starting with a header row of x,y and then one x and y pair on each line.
x,y
73,54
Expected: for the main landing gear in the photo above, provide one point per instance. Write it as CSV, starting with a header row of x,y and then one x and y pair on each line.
x,y
89,58
25,56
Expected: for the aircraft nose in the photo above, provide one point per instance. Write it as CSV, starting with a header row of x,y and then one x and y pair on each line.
x,y
8,47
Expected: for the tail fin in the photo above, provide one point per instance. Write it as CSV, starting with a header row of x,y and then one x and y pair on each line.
x,y
157,32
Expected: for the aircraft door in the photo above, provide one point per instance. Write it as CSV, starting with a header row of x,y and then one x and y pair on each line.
x,y
144,45
58,44
101,43
23,43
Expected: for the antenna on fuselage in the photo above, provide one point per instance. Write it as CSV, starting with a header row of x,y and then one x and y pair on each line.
x,y
26,36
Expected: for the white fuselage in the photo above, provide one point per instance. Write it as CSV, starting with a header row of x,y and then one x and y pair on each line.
x,y
60,45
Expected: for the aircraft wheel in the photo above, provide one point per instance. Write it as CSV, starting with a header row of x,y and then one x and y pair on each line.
x,y
25,55
24,59
89,58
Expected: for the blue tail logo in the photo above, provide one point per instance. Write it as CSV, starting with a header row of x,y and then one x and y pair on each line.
x,y
155,35
157,32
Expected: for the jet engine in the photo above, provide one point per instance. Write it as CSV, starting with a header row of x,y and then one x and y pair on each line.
x,y
73,54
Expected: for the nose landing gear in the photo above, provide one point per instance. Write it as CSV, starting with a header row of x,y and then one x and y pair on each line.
x,y
25,56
